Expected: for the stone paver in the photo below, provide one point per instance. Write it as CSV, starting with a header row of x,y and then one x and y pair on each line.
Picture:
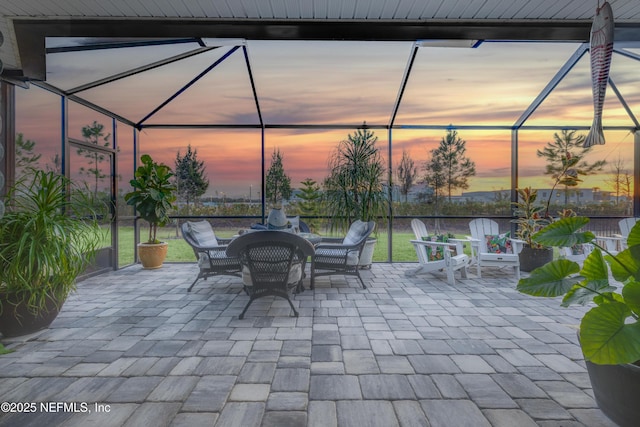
x,y
461,413
377,413
406,351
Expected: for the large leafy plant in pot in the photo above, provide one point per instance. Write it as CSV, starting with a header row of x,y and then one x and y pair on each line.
x,y
355,189
610,331
153,196
48,237
531,217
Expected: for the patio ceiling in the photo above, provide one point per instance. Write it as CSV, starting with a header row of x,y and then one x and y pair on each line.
x,y
25,23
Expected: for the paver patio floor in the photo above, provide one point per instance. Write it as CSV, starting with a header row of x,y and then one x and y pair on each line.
x,y
133,348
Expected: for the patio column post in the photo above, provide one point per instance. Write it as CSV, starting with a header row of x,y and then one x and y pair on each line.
x,y
136,234
7,136
263,184
390,197
514,173
636,173
64,127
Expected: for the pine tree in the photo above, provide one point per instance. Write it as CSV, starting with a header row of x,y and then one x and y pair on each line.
x,y
435,177
278,183
25,156
94,134
310,205
190,177
449,168
565,161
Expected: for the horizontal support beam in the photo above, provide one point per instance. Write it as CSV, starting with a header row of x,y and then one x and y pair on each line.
x,y
31,33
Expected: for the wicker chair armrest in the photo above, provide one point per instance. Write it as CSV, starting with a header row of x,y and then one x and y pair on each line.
x,y
207,251
332,240
340,246
199,248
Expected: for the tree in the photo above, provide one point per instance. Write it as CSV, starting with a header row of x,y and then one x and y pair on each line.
x,y
434,177
355,188
25,157
56,164
94,134
449,168
278,183
565,161
627,187
617,180
310,205
407,173
190,177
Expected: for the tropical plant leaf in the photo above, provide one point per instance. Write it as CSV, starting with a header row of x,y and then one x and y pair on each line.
x,y
631,295
550,280
608,297
584,292
635,253
634,235
595,267
564,232
624,265
605,336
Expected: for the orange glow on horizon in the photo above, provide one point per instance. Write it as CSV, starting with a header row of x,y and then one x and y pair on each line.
x,y
331,83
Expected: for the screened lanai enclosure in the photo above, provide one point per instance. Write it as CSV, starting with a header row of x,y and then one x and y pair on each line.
x,y
237,104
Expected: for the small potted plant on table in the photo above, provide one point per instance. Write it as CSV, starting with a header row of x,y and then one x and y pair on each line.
x,y
610,331
153,196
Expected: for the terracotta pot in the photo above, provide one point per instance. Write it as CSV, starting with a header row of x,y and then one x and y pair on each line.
x,y
532,258
17,320
152,255
616,389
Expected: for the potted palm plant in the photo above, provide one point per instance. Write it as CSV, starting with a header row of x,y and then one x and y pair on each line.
x,y
48,237
354,189
609,332
531,218
153,196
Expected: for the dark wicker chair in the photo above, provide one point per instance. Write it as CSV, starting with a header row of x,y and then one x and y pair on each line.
x,y
210,251
341,256
304,228
272,263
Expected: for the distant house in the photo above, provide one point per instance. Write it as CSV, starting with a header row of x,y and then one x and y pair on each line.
x,y
482,196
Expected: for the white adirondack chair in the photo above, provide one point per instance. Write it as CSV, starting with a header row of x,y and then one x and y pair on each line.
x,y
625,228
618,242
480,254
453,251
578,253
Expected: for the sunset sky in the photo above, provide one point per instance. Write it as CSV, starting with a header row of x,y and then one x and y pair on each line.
x,y
330,83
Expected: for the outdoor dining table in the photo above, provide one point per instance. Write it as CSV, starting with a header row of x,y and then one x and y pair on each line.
x,y
313,238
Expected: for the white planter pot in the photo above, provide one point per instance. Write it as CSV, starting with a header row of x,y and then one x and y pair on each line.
x,y
366,258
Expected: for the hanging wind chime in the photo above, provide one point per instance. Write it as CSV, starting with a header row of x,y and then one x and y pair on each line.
x,y
601,47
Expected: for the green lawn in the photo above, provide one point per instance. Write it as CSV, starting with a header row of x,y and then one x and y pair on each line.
x,y
180,251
